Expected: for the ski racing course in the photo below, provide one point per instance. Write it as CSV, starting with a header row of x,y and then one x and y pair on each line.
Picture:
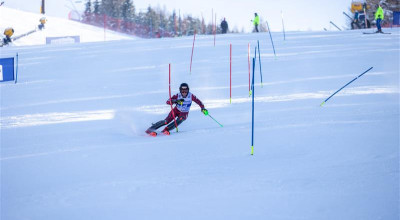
x,y
73,144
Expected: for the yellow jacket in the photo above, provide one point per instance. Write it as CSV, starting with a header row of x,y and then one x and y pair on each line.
x,y
379,13
256,20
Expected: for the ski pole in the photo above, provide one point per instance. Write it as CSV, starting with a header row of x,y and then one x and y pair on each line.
x,y
215,120
345,86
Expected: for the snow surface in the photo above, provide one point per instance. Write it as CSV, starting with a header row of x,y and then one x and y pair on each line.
x,y
73,144
23,22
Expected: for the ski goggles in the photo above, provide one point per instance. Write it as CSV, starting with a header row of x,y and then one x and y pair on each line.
x,y
184,90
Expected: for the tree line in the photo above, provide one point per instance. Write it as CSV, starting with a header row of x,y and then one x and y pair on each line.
x,y
122,16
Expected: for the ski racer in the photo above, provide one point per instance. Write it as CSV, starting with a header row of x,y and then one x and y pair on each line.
x,y
183,101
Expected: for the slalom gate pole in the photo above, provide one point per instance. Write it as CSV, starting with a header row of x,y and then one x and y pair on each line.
x,y
230,73
212,22
191,58
348,16
170,99
215,120
335,26
273,47
345,86
105,25
255,58
16,71
259,61
283,27
365,18
252,111
248,58
215,28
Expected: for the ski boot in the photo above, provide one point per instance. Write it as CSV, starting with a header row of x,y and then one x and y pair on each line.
x,y
166,132
151,132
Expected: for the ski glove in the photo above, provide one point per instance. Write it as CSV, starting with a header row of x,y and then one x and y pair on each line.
x,y
178,101
205,111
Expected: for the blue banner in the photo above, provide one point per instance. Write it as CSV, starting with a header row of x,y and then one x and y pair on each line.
x,y
396,18
7,69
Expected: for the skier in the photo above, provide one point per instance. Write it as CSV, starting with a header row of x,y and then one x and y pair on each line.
x,y
183,101
355,21
42,23
8,32
224,26
256,21
379,17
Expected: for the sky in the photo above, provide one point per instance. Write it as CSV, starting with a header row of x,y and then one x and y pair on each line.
x,y
298,15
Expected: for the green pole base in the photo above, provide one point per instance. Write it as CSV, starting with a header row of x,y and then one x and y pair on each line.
x,y
252,150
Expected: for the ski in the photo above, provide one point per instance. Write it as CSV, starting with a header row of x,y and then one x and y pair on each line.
x,y
155,134
376,33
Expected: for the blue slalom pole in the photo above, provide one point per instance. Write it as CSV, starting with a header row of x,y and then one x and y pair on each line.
x,y
255,52
273,47
255,58
16,71
345,86
252,111
259,61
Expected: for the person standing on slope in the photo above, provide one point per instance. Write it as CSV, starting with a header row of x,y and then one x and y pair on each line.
x,y
379,17
183,101
224,26
8,32
256,21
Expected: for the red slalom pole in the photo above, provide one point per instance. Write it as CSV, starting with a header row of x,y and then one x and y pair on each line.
x,y
105,26
194,38
248,57
212,22
170,98
230,74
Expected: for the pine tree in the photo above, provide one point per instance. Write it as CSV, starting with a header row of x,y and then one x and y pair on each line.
x,y
127,11
96,7
88,7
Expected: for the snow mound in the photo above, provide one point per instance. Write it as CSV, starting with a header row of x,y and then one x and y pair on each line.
x,y
23,22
